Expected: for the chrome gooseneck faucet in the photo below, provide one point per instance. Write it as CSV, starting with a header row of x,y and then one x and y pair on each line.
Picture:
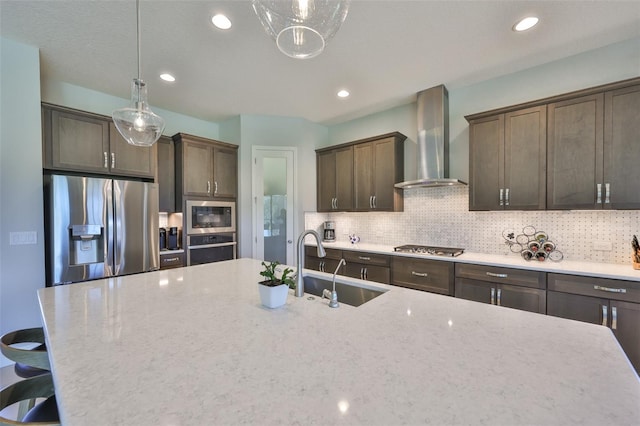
x,y
321,253
332,295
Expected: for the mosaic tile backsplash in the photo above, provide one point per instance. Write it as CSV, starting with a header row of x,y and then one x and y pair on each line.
x,y
441,217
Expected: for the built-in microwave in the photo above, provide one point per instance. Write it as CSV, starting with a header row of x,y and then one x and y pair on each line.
x,y
210,217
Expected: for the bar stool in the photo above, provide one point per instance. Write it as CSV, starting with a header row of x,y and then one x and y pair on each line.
x,y
28,362
44,413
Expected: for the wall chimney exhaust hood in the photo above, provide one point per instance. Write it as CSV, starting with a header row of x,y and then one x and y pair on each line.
x,y
433,140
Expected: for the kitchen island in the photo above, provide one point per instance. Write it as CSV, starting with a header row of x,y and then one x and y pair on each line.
x,y
194,346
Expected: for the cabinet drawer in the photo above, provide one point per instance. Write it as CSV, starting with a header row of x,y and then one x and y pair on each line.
x,y
171,260
494,274
312,251
366,258
628,291
422,274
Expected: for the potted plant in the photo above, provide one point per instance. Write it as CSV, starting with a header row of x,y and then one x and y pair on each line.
x,y
274,290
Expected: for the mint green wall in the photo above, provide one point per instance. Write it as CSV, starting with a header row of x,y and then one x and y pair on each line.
x,y
77,97
607,64
21,266
278,131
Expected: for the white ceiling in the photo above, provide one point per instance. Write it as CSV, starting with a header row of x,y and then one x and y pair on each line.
x,y
385,52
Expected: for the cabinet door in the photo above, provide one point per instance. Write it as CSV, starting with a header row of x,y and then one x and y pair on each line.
x,y
326,184
577,307
522,298
380,274
344,178
624,320
574,153
422,274
129,160
363,176
166,175
386,170
225,172
486,163
621,149
477,291
77,142
198,169
525,144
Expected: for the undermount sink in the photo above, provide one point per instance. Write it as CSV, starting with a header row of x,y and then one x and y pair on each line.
x,y
348,294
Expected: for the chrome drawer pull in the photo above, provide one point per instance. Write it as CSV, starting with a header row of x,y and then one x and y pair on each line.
x,y
113,160
171,259
501,195
106,164
599,196
506,196
499,297
609,289
614,318
607,193
491,274
419,274
493,296
364,258
604,315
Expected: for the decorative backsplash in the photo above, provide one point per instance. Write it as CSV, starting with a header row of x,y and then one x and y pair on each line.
x,y
440,217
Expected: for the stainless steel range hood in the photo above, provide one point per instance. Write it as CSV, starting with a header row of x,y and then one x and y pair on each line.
x,y
433,140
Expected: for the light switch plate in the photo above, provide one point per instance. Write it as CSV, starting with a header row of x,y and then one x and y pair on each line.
x,y
23,238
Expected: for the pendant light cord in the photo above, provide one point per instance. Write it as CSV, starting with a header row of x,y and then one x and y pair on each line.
x,y
138,36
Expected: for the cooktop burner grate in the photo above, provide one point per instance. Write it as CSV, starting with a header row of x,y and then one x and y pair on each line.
x,y
436,251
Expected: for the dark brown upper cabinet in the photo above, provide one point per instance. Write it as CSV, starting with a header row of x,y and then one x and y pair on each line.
x,y
335,179
205,168
572,151
360,175
166,175
507,158
90,143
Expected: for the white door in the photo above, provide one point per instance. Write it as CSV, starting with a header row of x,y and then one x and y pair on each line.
x,y
273,203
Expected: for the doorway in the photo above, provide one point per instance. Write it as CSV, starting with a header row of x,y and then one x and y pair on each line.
x,y
273,195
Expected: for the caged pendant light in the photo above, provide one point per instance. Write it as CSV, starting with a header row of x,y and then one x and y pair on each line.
x,y
137,123
301,28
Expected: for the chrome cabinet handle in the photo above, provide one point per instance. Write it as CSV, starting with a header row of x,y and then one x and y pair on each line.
x,y
208,187
499,297
106,164
607,193
215,187
171,259
604,315
610,289
336,202
362,273
599,195
492,274
506,197
113,160
493,296
375,206
501,195
364,258
321,267
365,274
419,274
614,318
370,201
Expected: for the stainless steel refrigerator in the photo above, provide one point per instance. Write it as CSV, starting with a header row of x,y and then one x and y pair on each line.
x,y
99,228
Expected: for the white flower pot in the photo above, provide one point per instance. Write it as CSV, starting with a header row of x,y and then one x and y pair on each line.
x,y
273,297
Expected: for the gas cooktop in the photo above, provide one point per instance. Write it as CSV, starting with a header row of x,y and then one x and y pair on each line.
x,y
437,251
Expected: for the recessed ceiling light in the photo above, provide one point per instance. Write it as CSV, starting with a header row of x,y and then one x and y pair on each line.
x,y
343,94
167,77
525,24
221,21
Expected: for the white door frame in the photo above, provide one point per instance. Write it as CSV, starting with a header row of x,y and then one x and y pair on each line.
x,y
257,208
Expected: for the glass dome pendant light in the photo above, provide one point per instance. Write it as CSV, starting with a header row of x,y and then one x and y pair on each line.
x,y
137,123
301,28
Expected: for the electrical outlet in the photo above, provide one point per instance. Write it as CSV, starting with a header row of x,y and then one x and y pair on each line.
x,y
22,238
602,245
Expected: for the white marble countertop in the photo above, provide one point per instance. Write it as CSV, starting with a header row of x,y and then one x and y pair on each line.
x,y
194,346
512,260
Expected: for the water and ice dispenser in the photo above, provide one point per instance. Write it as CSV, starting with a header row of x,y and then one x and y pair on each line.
x,y
86,244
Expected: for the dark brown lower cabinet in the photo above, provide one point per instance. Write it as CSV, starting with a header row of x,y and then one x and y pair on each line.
x,y
611,303
368,266
513,288
329,263
423,274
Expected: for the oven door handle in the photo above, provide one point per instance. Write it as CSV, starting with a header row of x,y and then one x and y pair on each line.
x,y
212,245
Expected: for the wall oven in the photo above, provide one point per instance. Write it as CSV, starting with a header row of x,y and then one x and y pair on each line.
x,y
211,231
210,217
